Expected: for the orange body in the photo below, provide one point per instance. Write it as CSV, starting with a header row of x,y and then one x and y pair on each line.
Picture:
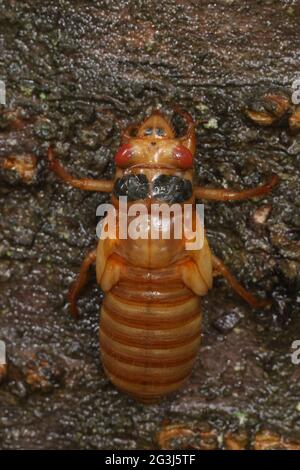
x,y
150,322
151,317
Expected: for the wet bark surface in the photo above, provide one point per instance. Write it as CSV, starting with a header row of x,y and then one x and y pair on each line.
x,y
76,72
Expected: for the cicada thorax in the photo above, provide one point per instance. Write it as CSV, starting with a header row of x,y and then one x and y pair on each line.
x,y
149,176
155,200
150,321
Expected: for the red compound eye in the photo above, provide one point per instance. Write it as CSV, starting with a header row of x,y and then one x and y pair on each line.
x,y
183,157
123,155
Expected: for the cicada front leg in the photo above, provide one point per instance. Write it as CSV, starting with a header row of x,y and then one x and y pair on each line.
x,y
224,194
86,184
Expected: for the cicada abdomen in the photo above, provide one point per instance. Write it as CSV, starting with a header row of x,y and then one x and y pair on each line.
x,y
149,332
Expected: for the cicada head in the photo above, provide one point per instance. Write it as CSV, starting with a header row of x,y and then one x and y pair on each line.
x,y
154,143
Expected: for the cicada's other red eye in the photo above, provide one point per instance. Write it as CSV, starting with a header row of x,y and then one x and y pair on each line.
x,y
123,155
183,156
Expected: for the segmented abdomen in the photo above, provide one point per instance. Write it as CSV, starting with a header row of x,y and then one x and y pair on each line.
x,y
149,333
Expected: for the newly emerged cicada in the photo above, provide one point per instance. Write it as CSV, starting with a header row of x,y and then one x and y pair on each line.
x,y
150,319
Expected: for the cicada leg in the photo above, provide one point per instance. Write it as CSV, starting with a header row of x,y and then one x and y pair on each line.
x,y
220,269
80,281
86,184
223,194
